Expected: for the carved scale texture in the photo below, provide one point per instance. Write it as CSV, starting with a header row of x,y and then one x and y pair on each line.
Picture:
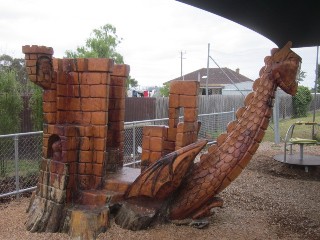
x,y
225,161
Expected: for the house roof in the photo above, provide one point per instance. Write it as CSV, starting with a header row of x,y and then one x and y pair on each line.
x,y
217,77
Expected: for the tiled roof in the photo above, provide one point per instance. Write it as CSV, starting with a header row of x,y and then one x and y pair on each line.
x,y
217,76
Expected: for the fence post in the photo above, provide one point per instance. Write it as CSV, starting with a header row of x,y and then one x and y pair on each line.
x,y
16,162
134,143
276,119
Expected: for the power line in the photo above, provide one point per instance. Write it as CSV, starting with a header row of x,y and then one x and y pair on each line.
x,y
227,76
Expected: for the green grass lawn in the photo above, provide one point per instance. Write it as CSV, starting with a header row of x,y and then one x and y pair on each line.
x,y
286,123
25,167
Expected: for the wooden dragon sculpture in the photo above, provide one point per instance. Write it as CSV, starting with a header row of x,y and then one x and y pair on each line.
x,y
174,187
193,194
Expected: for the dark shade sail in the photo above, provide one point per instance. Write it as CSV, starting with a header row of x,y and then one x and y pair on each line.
x,y
278,20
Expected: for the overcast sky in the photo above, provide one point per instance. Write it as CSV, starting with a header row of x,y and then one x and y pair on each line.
x,y
154,33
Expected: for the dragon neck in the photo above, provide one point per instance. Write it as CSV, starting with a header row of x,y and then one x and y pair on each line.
x,y
236,147
245,133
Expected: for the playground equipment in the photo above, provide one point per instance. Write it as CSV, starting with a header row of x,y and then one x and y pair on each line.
x,y
82,179
301,134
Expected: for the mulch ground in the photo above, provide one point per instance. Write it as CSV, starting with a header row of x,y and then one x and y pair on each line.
x,y
269,200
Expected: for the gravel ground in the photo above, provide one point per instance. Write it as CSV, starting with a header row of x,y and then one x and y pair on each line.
x,y
269,200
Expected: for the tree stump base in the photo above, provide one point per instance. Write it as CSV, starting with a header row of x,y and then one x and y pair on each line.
x,y
44,215
80,222
87,224
137,215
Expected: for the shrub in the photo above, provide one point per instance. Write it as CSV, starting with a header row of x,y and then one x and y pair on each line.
x,y
10,102
301,102
36,107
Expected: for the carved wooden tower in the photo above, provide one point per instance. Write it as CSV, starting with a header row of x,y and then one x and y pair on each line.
x,y
83,131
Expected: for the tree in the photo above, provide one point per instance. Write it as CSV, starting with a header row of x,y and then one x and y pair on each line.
x,y
301,102
17,67
101,44
17,64
164,91
36,107
131,82
10,102
301,76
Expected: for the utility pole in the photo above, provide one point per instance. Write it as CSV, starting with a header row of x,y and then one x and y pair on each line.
x,y
181,58
208,60
315,93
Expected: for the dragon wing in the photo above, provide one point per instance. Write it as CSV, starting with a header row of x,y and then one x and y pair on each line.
x,y
160,179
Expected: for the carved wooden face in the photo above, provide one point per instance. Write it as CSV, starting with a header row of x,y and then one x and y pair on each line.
x,y
44,72
285,69
289,78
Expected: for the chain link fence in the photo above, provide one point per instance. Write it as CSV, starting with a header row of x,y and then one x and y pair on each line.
x,y
213,124
286,106
133,132
20,154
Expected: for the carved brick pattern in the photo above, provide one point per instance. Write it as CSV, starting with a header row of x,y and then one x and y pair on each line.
x,y
182,94
76,98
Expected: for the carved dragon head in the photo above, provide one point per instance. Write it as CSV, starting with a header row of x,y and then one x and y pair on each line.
x,y
284,65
